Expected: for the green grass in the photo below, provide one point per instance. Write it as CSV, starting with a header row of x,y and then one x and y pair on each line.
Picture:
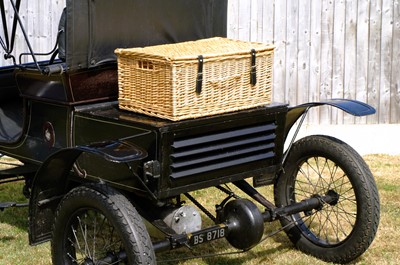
x,y
15,249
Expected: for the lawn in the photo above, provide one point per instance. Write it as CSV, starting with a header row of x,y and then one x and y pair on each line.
x,y
15,249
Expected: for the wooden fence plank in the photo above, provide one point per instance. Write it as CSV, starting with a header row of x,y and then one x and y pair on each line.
x,y
303,58
326,58
362,53
233,19
338,56
395,80
386,62
374,56
350,77
254,8
267,26
280,51
244,27
315,57
292,52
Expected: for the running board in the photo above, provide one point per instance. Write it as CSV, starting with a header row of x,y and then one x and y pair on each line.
x,y
18,171
4,205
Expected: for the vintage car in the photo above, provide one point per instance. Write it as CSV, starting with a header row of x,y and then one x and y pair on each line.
x,y
100,179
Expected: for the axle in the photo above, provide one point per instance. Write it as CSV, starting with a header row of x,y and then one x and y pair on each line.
x,y
316,202
239,216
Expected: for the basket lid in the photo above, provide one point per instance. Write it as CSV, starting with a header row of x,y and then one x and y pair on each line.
x,y
208,48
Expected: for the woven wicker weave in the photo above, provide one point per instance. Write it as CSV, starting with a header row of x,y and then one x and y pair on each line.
x,y
161,80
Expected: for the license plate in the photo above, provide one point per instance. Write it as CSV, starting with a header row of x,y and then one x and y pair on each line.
x,y
208,235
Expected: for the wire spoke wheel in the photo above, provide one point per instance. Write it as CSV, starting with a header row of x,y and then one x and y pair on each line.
x,y
96,225
333,223
93,239
340,231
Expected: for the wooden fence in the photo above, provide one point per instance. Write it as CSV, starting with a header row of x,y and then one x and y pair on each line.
x,y
324,49
328,49
40,18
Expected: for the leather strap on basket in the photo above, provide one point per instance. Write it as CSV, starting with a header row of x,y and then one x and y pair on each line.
x,y
253,71
199,80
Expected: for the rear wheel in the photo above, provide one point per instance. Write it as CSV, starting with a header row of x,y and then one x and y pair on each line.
x,y
98,225
340,231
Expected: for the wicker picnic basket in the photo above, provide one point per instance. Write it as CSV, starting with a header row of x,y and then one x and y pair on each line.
x,y
194,79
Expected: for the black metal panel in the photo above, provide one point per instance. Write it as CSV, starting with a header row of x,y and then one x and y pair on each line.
x,y
215,151
93,126
221,148
33,84
243,145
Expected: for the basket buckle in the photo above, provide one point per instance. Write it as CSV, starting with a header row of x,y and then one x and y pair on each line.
x,y
253,71
199,80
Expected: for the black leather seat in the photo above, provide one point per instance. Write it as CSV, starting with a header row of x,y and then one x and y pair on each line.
x,y
11,107
11,121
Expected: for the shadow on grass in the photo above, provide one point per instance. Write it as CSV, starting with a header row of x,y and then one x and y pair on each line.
x,y
246,256
231,256
6,239
210,253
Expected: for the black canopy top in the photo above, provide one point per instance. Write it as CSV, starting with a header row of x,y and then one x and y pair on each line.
x,y
93,29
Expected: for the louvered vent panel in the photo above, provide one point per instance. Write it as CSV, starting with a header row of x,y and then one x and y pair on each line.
x,y
206,152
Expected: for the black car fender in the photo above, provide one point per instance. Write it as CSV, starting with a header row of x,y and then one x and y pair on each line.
x,y
352,107
299,112
52,179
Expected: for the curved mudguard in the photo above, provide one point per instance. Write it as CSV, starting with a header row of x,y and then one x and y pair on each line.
x,y
51,180
352,107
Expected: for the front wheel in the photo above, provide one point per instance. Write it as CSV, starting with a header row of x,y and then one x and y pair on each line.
x,y
341,231
97,225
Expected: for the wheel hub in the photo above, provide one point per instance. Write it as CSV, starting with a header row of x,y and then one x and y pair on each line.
x,y
334,197
242,214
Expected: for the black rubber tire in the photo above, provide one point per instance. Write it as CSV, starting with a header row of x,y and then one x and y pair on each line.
x,y
105,224
336,233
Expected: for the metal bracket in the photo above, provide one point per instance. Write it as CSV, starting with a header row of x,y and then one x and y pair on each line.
x,y
152,169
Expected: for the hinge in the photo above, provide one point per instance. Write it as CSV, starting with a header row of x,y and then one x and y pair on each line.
x,y
151,169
